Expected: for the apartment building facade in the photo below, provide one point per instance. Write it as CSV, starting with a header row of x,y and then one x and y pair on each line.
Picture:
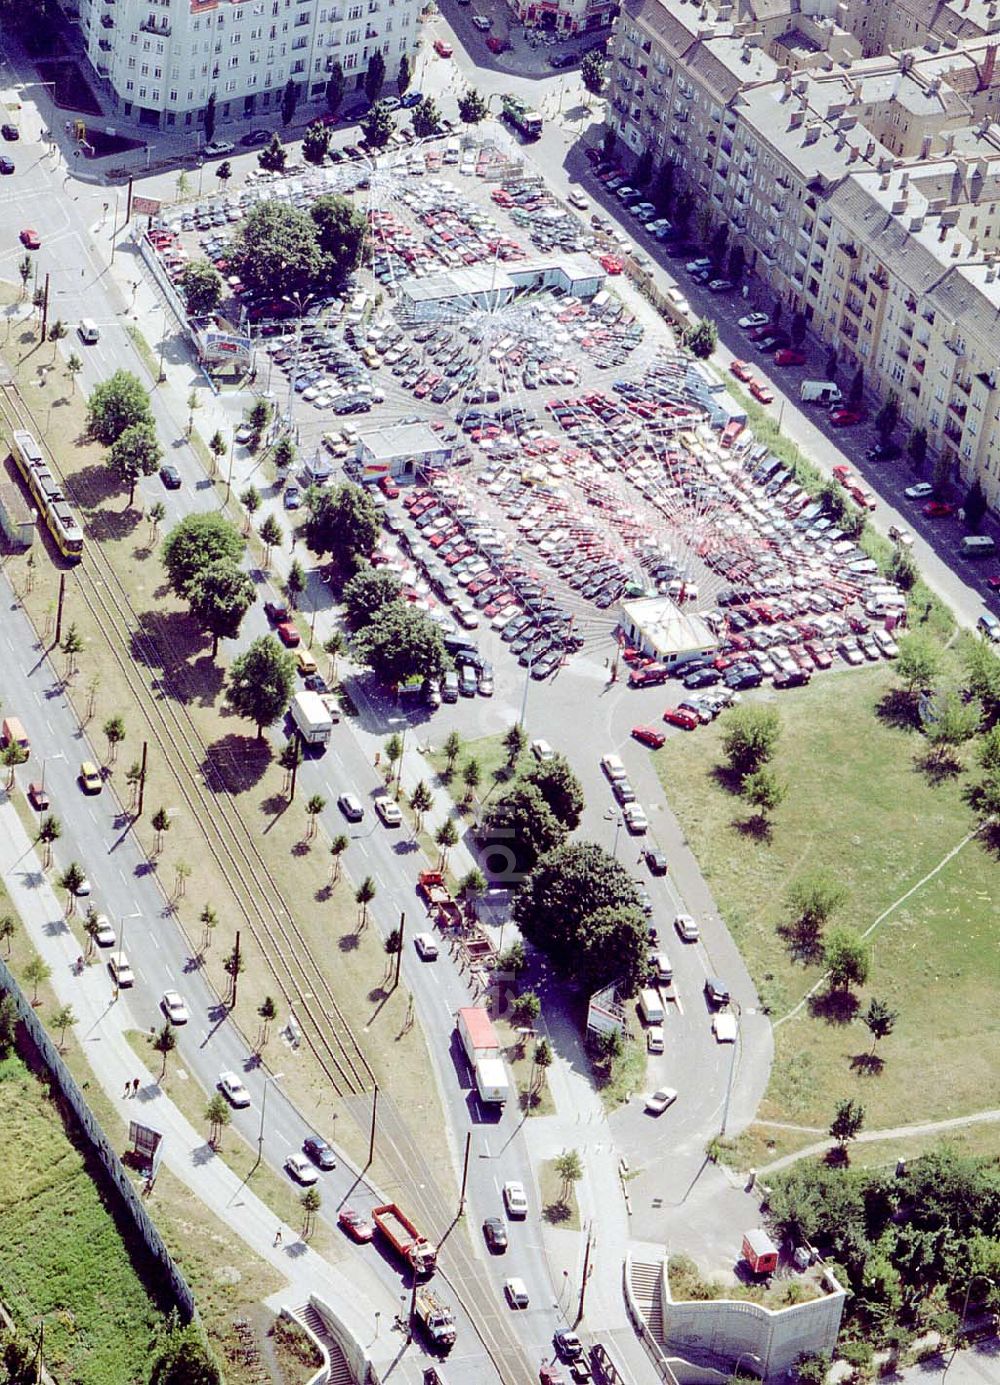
x,y
865,194
159,61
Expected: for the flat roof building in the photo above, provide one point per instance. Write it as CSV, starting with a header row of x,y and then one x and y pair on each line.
x,y
400,450
659,627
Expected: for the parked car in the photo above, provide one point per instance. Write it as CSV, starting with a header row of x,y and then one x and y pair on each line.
x,y
232,1088
320,1152
495,1235
648,735
658,1101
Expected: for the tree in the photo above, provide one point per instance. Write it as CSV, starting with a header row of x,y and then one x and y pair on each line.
x,y
271,535
405,74
341,230
134,453
258,419
73,367
7,930
315,142
275,250
295,583
61,1020
880,1020
903,570
917,446
446,837
343,522
116,404
209,921
338,846
857,390
426,118
887,418
72,645
268,1012
70,881
593,72
830,371
609,143
701,339
451,747
11,756
311,1202
847,1121
738,264
514,743
161,825
261,682
187,1361
49,831
542,1058
35,972
56,334
955,722
217,446
918,662
8,1024
421,801
559,786
363,896
25,269
525,1009
569,1167
165,1042
989,750
375,75
289,101
224,171
720,238
201,284
209,119
523,820
220,596
393,750
750,738
472,109
764,791
314,806
218,1115
472,883
367,592
811,1369
975,506
377,126
401,643
472,777
333,645
194,544
846,959
335,89
251,500
982,677
812,899
798,329
114,731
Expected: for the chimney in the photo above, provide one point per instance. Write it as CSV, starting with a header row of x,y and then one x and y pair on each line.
x,y
904,181
991,272
989,63
916,223
925,146
942,233
812,133
795,120
898,206
949,142
883,182
870,150
974,247
841,140
786,91
852,153
801,84
956,249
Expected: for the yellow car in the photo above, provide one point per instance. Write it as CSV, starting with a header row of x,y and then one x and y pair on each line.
x,y
90,777
307,664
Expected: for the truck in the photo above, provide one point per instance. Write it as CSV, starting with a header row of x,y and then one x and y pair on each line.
x,y
819,392
520,115
418,1252
436,1318
479,1038
491,1081
312,717
438,898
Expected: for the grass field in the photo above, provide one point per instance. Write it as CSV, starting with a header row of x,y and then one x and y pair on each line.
x,y
490,755
559,1204
859,807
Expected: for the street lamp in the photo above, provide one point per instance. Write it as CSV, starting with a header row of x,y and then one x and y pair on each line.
x,y
121,947
271,1077
300,303
732,1070
45,760
616,818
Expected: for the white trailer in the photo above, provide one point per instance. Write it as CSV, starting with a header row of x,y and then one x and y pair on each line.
x,y
819,392
312,717
491,1081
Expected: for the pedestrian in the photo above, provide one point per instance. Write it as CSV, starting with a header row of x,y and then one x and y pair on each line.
x,y
135,1086
128,1089
277,1237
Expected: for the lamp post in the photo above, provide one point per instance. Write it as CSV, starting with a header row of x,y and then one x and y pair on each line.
x,y
163,346
300,303
57,756
732,1071
271,1077
121,948
616,818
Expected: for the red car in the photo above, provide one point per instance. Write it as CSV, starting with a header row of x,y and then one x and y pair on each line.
x,y
388,487
843,473
648,735
497,45
938,509
844,418
550,1375
360,1228
442,49
287,634
820,655
994,582
760,392
611,264
31,240
789,356
741,370
677,716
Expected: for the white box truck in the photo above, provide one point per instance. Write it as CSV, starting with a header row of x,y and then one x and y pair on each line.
x,y
312,717
479,1038
491,1081
819,392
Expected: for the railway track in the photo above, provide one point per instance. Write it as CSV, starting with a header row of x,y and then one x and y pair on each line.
x,y
203,782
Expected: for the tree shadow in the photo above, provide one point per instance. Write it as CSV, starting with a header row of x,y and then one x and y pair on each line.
x,y
94,485
324,893
836,1007
349,942
275,804
557,1212
235,764
112,524
898,708
938,764
302,848
804,941
756,828
728,779
837,1157
867,1064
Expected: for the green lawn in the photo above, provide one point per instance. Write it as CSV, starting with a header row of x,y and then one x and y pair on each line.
x,y
859,807
62,1255
490,755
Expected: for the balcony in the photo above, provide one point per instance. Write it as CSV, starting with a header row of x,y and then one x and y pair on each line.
x,y
907,330
903,352
855,308
849,249
849,330
860,281
920,366
964,385
957,408
911,304
105,45
956,346
150,26
107,21
952,431
880,279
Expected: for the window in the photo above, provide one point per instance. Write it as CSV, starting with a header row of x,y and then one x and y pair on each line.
x,y
230,86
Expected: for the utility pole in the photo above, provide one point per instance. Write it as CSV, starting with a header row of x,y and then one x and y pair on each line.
x,y
295,767
586,1272
59,608
399,952
45,307
236,967
128,203
371,1137
142,779
465,1172
413,1309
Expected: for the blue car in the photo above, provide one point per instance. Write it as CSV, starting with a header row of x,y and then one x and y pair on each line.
x,y
412,98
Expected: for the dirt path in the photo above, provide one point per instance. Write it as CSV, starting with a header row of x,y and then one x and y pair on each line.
x,y
899,1132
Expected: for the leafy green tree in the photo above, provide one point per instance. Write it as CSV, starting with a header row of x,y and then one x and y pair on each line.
x,y
224,171
57,332
218,1115
187,1361
272,535
194,544
165,1042
989,750
514,742
421,801
750,738
72,645
276,251
35,972
314,807
472,883
917,446
811,1369
523,820
333,645
845,957
367,592
560,788
955,723
903,570
335,87
472,777
311,1200
201,284
268,1012
363,896
857,390
114,731
217,446
701,339
375,75
812,901
452,745
61,1019
401,643
593,72
377,126
338,846
830,371
25,269
343,522
258,419
273,157
208,115
342,230
764,791
798,329
472,109
315,142
70,881
8,1024
135,452
974,506
160,824
426,118
11,756
446,837
261,682
73,367
49,831
295,582
848,1119
284,454
525,1009
919,661
982,677
880,1020
405,74
887,418
251,500
116,404
569,1167
289,101
220,596
7,930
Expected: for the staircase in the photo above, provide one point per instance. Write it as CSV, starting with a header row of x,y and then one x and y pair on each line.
x,y
335,1370
645,1283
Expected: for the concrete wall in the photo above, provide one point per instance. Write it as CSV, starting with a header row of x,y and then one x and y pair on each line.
x,y
726,1329
354,1354
118,1179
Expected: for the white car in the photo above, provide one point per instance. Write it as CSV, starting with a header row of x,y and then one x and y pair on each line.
x,y
578,200
724,1027
121,970
217,148
388,811
515,1199
920,491
426,945
84,889
174,1008
635,819
516,1291
350,805
105,934
658,1101
687,927
481,22
542,751
613,767
753,320
232,1088
299,1168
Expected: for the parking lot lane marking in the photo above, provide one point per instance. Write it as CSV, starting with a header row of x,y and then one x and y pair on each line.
x,y
152,938
677,1002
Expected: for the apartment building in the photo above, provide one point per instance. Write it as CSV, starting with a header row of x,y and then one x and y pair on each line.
x,y
865,192
564,16
160,60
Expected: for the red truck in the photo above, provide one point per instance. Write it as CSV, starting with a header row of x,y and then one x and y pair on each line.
x,y
446,912
405,1239
648,677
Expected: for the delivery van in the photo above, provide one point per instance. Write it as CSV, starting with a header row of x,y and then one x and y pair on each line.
x,y
13,733
650,1006
978,546
89,332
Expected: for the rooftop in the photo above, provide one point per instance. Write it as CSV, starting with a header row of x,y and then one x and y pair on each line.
x,y
400,440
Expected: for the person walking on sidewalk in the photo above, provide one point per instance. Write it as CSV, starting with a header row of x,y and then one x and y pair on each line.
x,y
277,1237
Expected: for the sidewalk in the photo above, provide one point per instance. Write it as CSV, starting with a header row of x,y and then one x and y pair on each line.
x,y
102,1026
